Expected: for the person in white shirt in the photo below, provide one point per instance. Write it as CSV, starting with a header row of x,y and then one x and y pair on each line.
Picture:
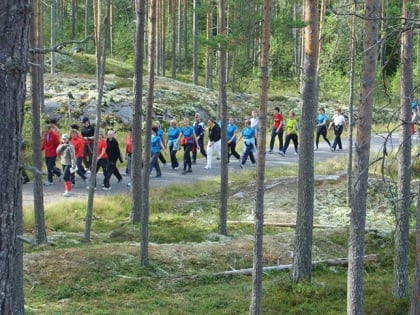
x,y
255,123
339,122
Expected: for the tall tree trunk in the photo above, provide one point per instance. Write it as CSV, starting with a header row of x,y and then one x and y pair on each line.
x,y
136,167
158,39
224,186
179,41
353,42
297,40
73,18
402,226
37,83
195,43
87,31
144,247
174,37
209,51
302,258
185,32
14,30
53,33
415,298
358,210
163,37
101,48
257,274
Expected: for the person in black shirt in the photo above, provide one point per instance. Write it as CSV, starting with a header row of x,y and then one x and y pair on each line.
x,y
88,133
114,154
199,129
214,141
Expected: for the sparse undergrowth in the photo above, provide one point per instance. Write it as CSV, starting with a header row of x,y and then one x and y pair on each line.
x,y
105,277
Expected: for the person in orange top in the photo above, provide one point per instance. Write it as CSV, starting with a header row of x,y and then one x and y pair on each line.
x,y
102,155
79,145
277,130
50,142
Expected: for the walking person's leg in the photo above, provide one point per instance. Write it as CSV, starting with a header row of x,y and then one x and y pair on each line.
x,y
210,148
272,139
318,134
324,135
280,136
50,172
286,145
188,156
295,142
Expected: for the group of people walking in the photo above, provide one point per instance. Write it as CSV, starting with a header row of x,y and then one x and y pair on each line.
x,y
290,128
76,149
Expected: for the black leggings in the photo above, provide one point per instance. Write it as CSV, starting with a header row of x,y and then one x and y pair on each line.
x,y
187,155
322,131
232,150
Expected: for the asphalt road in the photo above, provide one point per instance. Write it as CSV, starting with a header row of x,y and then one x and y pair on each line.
x,y
55,192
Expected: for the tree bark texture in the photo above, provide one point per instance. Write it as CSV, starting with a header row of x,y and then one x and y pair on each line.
x,y
14,39
209,50
223,117
257,272
415,299
37,96
101,39
302,257
400,285
144,246
136,167
173,10
361,165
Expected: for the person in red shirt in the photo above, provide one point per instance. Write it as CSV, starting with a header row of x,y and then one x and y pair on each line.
x,y
278,123
128,151
79,145
50,142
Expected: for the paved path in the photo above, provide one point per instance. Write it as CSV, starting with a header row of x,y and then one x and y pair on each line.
x,y
55,192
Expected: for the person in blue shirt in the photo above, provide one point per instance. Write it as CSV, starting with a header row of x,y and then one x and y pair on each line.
x,y
187,138
173,135
231,130
161,134
155,149
199,130
248,134
321,128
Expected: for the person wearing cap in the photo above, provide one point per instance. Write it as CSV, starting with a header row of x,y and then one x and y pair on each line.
x,y
68,161
88,134
50,142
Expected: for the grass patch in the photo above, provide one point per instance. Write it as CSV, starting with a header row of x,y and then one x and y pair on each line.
x,y
185,251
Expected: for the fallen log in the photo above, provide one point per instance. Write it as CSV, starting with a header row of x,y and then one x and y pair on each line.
x,y
293,225
331,262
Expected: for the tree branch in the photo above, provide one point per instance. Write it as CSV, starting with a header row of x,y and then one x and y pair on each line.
x,y
59,48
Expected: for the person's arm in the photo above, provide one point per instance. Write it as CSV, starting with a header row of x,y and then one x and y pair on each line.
x,y
195,139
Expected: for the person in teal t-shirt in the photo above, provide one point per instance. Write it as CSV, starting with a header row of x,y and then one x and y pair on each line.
x,y
321,127
156,146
